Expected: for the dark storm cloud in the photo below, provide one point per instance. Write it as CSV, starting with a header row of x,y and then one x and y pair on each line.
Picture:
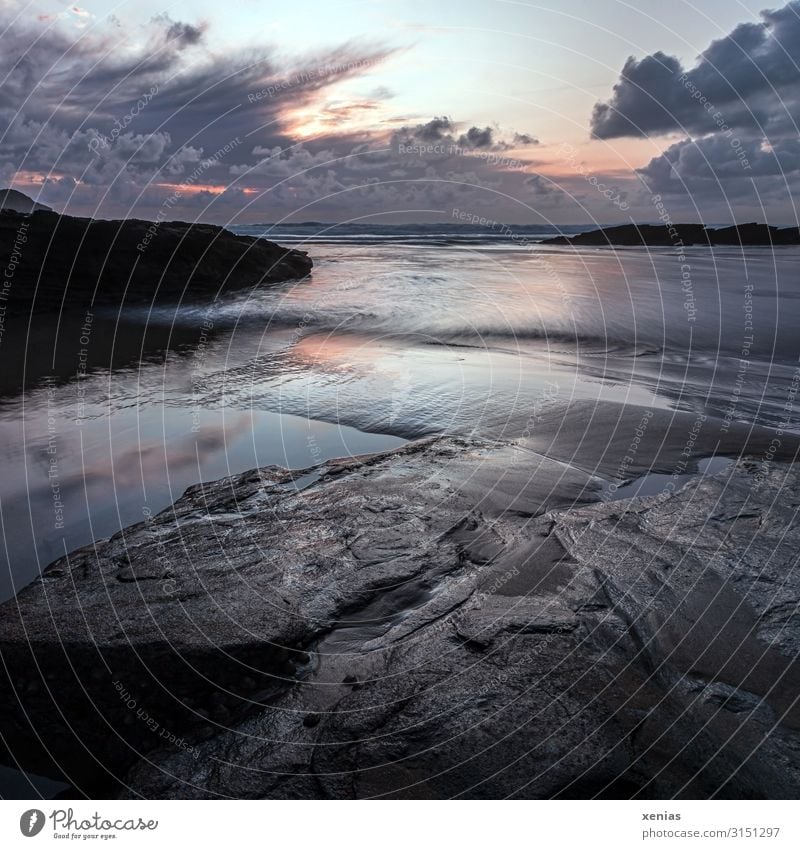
x,y
737,107
688,164
53,75
750,77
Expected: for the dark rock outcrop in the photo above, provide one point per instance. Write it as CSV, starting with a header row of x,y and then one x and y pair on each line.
x,y
53,261
429,622
659,235
15,201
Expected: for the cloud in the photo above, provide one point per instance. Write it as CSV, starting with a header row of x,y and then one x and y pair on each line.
x,y
279,163
118,107
477,137
713,162
750,77
737,109
442,131
381,92
178,32
542,187
435,130
113,119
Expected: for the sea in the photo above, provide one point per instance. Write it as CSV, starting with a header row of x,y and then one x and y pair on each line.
x,y
400,332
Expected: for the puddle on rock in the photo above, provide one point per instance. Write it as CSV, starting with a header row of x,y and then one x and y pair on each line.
x,y
655,483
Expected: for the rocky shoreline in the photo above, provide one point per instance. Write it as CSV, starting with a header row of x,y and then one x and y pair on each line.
x,y
451,618
52,261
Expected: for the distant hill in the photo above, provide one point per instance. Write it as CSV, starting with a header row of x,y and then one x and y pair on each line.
x,y
12,199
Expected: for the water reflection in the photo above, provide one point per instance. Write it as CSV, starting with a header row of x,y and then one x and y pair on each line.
x,y
70,481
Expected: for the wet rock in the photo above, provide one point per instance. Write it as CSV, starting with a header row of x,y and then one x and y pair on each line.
x,y
503,643
654,668
236,583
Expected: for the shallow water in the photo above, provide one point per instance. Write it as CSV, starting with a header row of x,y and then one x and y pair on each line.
x,y
387,341
82,479
659,483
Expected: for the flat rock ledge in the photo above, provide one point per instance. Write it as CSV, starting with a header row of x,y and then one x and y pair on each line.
x,y
428,623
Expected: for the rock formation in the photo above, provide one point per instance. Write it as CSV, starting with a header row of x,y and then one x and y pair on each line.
x,y
686,235
52,261
429,622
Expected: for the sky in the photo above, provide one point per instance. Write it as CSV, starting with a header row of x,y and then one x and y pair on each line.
x,y
502,110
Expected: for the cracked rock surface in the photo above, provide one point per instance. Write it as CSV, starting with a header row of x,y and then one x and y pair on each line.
x,y
451,618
